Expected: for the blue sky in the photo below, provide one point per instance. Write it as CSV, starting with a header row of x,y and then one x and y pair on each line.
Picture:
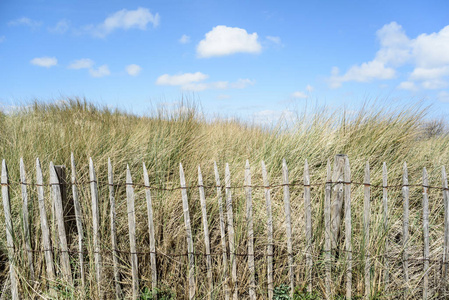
x,y
249,59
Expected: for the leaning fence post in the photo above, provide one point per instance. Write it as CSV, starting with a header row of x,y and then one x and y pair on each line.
x,y
405,195
269,232
190,254
249,224
348,229
366,225
327,230
231,230
288,224
26,225
308,218
425,200
9,231
59,212
132,232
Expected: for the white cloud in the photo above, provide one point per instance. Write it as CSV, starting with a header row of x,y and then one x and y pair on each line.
x,y
432,50
364,73
133,69
184,39
61,27
26,22
125,19
274,39
408,85
309,88
443,96
181,79
84,63
223,40
299,95
100,72
434,84
46,62
429,73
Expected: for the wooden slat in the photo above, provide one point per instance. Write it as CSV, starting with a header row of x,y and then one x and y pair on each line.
x,y
222,233
78,219
425,204
386,228
132,233
327,230
250,230
348,229
96,228
189,237
337,201
405,234
446,226
59,213
366,228
206,233
308,218
25,220
231,233
150,231
118,288
9,231
269,232
48,252
288,225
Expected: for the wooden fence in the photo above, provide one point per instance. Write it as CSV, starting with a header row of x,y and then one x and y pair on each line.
x,y
70,267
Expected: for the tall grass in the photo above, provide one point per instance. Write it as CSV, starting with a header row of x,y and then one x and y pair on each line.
x,y
165,138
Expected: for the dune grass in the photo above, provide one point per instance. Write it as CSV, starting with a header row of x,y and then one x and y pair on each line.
x,y
165,138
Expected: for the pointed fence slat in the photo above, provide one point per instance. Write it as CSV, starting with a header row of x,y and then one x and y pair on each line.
x,y
222,233
150,231
269,232
348,229
48,252
446,227
118,288
96,228
385,215
405,195
231,233
78,219
249,225
327,230
425,204
9,231
288,225
132,233
25,219
189,237
308,218
206,233
337,201
366,227
59,213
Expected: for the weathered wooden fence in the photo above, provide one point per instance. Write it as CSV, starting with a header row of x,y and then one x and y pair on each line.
x,y
60,268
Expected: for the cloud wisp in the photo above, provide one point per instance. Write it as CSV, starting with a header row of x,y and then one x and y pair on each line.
x,y
87,63
133,69
45,61
24,21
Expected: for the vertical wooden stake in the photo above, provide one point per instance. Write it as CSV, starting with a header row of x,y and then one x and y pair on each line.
x,y
425,202
79,219
446,227
9,231
231,231
288,224
327,230
191,255
96,227
405,195
25,216
118,288
222,233
249,225
366,223
308,218
206,233
348,229
48,252
132,232
151,232
337,201
269,232
59,212
385,215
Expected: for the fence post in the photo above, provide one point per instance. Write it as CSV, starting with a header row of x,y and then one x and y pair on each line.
x,y
405,195
25,216
231,231
425,200
327,230
308,218
288,224
348,229
446,228
9,231
337,201
386,229
249,225
132,232
366,225
190,254
269,232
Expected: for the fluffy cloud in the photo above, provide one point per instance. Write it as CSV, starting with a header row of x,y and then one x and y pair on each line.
x,y
101,71
25,22
61,27
428,54
299,94
84,63
223,40
125,19
46,62
184,39
133,69
194,82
